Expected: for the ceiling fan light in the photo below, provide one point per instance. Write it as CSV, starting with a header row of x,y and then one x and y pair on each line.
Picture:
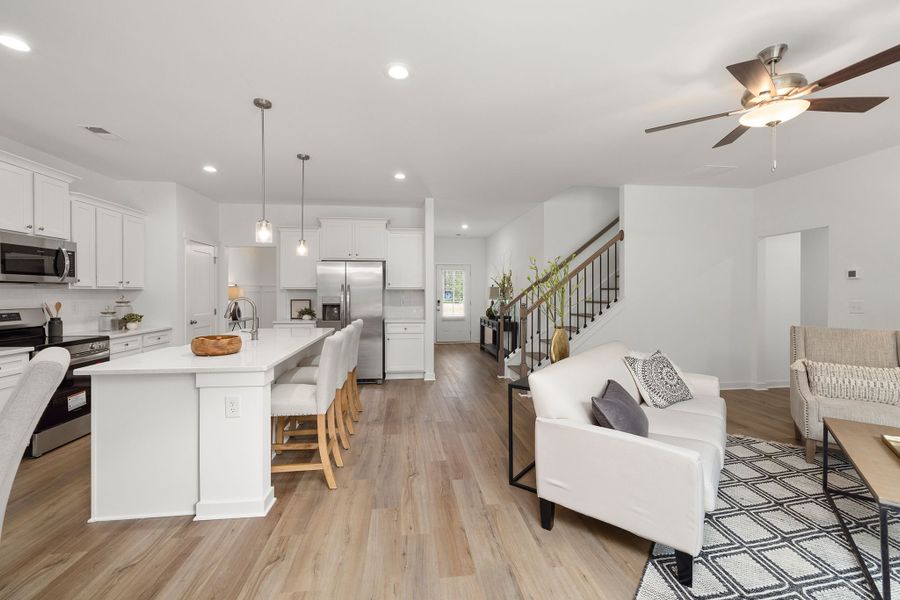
x,y
776,112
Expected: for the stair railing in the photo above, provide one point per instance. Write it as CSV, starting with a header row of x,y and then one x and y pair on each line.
x,y
509,317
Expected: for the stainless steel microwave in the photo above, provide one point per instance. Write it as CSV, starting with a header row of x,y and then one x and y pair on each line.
x,y
33,259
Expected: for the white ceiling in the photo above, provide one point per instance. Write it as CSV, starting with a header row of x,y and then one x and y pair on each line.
x,y
509,102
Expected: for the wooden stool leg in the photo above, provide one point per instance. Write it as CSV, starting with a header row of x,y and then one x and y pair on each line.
x,y
333,444
323,452
339,417
348,407
279,432
359,405
351,393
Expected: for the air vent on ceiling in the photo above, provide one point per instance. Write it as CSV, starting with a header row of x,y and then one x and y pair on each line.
x,y
101,132
713,170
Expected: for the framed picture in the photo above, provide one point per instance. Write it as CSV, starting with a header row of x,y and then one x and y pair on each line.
x,y
298,304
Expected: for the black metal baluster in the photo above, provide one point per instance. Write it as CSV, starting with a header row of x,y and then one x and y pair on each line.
x,y
616,246
608,277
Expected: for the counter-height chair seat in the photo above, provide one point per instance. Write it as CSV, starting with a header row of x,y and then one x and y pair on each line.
x,y
291,400
309,375
20,415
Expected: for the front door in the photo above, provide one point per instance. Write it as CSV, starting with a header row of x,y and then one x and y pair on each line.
x,y
200,273
453,305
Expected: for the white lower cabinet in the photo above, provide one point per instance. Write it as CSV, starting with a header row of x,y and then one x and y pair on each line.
x,y
404,350
11,368
138,342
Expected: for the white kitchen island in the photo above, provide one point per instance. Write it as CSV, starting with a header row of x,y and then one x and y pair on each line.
x,y
178,434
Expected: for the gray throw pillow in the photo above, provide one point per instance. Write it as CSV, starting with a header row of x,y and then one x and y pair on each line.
x,y
616,409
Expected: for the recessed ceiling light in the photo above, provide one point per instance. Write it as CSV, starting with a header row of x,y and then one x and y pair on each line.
x,y
210,169
399,176
14,43
397,71
465,226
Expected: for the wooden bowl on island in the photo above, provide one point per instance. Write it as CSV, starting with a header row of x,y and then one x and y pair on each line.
x,y
216,345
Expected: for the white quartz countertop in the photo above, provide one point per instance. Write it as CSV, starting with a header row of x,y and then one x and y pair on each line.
x,y
306,322
11,351
273,347
120,333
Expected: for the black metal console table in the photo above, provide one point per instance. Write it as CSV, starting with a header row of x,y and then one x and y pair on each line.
x,y
520,385
510,332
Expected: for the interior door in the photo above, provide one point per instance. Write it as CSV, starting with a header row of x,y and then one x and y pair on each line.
x,y
200,272
454,307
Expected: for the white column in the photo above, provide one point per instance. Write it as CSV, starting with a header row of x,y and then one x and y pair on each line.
x,y
430,298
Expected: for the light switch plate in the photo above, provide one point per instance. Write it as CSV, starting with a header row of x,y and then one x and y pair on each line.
x,y
232,407
856,307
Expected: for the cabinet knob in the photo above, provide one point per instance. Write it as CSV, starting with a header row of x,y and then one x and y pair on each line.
x,y
127,282
28,227
192,322
40,228
121,282
77,281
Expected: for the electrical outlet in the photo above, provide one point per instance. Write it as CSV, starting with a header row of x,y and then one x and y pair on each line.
x,y
856,307
232,407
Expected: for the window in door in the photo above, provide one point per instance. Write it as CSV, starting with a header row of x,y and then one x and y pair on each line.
x,y
453,294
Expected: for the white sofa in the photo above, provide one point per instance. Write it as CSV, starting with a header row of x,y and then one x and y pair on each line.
x,y
659,487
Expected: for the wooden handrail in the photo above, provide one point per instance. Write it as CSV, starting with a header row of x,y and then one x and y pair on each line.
x,y
582,248
574,273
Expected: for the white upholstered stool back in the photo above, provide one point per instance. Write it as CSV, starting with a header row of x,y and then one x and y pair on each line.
x,y
354,350
348,333
20,415
330,364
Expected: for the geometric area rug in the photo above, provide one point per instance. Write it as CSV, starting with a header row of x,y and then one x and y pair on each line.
x,y
773,534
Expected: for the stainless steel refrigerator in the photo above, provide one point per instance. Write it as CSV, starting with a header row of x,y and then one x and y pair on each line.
x,y
350,290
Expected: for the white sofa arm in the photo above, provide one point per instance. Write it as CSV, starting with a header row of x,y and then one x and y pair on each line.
x,y
649,488
702,385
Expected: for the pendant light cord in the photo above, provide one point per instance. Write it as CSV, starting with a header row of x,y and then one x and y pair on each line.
x,y
262,114
302,196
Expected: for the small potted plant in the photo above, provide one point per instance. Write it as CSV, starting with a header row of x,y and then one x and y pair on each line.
x,y
307,314
132,320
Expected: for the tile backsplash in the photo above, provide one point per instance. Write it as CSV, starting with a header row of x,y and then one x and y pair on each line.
x,y
80,307
404,304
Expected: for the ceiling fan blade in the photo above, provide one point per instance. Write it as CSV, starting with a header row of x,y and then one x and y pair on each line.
x,y
690,121
850,105
873,63
732,136
753,75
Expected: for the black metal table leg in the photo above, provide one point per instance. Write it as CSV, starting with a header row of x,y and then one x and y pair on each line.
x,y
885,554
521,384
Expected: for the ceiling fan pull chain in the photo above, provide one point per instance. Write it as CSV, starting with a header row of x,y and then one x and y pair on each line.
x,y
774,149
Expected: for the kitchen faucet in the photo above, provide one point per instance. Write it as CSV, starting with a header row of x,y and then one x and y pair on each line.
x,y
254,333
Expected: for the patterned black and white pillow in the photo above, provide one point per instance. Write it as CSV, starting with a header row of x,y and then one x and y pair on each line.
x,y
658,380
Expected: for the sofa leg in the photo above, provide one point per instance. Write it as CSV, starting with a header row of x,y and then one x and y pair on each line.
x,y
798,435
684,562
548,511
810,450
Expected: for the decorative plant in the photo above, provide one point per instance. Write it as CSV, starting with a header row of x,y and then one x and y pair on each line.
x,y
489,313
306,312
504,284
548,283
133,318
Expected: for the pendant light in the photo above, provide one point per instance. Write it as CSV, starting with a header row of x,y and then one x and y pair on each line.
x,y
263,226
302,248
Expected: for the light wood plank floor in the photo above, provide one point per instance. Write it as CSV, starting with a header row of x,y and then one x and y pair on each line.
x,y
422,511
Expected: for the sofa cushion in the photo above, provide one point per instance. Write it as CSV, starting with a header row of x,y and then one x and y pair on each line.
x,y
658,380
841,408
710,406
709,459
870,348
682,424
853,382
616,409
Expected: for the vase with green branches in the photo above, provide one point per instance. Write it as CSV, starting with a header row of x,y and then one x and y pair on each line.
x,y
504,284
550,285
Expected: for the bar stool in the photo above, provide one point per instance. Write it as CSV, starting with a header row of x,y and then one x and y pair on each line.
x,y
299,399
355,402
308,374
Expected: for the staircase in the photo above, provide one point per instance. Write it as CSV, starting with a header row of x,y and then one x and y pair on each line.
x,y
592,288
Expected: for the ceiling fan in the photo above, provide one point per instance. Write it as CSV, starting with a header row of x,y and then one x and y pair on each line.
x,y
771,99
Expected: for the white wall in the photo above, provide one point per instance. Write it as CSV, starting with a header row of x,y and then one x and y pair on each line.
x,y
689,279
467,251
553,228
859,202
251,265
780,300
814,277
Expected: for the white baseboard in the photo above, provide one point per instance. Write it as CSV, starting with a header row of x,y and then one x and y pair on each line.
x,y
753,385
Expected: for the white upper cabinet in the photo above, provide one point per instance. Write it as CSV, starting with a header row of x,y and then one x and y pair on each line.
x,y
353,239
34,198
16,199
84,233
297,272
51,207
405,259
109,248
133,240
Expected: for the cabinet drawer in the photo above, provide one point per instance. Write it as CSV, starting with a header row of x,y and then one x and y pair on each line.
x,y
11,368
128,344
156,339
404,328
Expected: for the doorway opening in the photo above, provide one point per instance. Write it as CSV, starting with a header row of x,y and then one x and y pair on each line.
x,y
454,305
250,272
